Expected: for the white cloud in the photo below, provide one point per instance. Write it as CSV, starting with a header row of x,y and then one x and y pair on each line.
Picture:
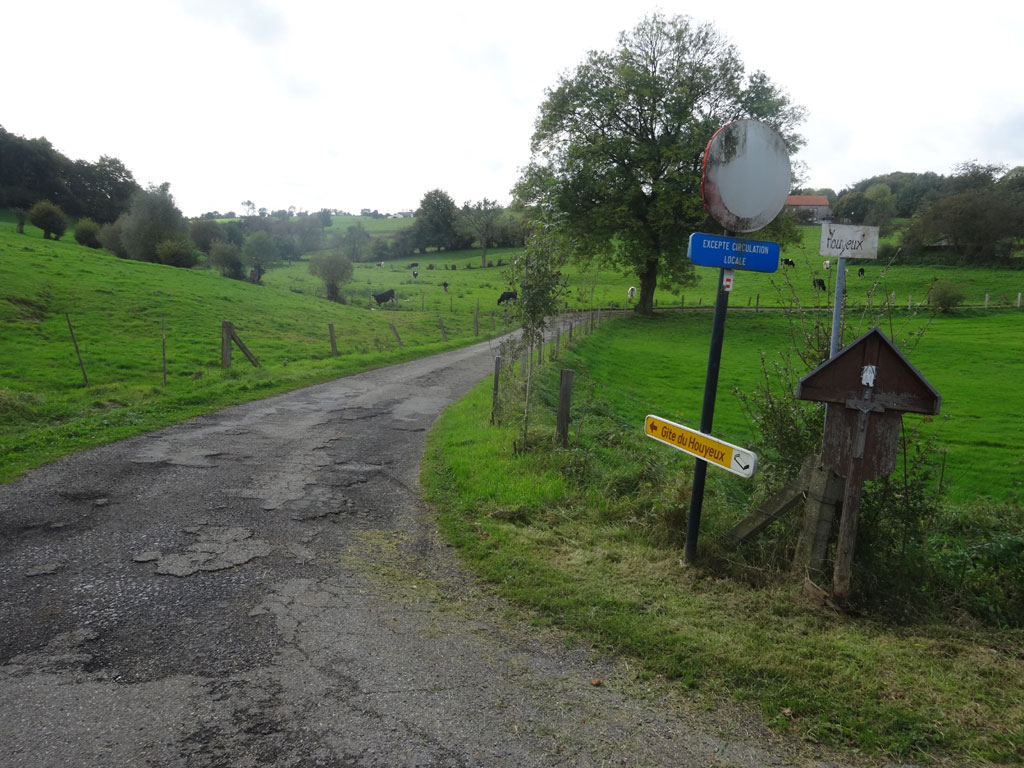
x,y
371,105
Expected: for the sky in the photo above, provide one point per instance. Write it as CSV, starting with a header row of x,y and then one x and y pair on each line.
x,y
317,104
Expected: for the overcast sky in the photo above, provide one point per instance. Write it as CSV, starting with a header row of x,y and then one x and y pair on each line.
x,y
315,104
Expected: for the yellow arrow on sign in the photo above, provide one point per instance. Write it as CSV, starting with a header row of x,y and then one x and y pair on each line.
x,y
730,457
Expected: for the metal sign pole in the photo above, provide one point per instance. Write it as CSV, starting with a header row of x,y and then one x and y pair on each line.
x,y
707,416
837,308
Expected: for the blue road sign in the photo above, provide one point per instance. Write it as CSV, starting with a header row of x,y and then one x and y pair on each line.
x,y
733,253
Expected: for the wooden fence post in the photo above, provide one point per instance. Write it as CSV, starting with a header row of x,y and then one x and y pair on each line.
x,y
476,321
77,352
233,336
225,344
397,337
163,347
492,318
986,301
494,392
444,333
564,403
334,344
757,304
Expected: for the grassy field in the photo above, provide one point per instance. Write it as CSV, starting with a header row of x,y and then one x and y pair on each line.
x,y
579,536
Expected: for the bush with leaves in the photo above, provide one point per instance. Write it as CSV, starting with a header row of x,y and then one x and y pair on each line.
x,y
945,296
226,258
110,237
49,218
333,268
87,233
176,253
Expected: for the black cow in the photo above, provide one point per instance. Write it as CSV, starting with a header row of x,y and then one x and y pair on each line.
x,y
414,264
388,295
445,286
415,274
788,263
507,296
860,272
819,284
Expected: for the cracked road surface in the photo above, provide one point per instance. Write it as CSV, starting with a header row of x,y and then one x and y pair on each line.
x,y
264,586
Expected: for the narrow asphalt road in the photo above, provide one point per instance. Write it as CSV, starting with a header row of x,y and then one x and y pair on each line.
x,y
264,586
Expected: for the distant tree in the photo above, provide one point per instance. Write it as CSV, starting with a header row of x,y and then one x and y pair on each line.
x,y
152,218
49,218
981,224
481,221
263,213
250,207
104,189
205,232
324,216
618,147
87,233
226,258
355,243
176,253
380,250
260,254
110,237
436,220
881,207
333,268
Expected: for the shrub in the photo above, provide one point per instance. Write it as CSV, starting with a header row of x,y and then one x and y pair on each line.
x,y
110,238
176,253
226,258
20,217
945,296
49,218
87,233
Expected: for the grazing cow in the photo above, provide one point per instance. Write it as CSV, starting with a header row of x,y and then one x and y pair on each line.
x,y
507,296
860,272
380,264
445,286
819,284
430,266
414,264
788,263
388,295
631,292
415,274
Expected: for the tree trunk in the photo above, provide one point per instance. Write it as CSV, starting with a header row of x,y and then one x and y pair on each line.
x,y
648,282
483,254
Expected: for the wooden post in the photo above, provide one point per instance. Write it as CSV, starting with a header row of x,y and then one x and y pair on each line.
x,y
494,391
334,344
492,319
564,403
823,495
757,304
843,573
986,301
444,333
77,352
1018,300
451,303
910,300
476,321
163,347
398,338
241,345
225,344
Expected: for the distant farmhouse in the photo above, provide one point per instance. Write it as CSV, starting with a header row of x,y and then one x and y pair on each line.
x,y
812,208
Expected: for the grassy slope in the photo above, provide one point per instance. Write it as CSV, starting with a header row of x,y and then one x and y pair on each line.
x,y
116,309
585,559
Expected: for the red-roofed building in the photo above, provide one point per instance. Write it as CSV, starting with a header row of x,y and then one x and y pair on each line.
x,y
812,208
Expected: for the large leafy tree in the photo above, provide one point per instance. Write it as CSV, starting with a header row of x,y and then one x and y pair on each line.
x,y
333,268
152,219
481,221
436,222
619,142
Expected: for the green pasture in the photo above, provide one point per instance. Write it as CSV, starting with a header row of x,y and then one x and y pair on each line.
x,y
121,310
579,537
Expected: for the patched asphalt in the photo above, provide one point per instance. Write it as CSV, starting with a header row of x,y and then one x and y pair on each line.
x,y
264,586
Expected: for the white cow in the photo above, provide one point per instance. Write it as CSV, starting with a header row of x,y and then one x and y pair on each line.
x,y
631,292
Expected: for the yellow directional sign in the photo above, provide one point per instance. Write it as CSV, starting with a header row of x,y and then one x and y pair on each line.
x,y
730,457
